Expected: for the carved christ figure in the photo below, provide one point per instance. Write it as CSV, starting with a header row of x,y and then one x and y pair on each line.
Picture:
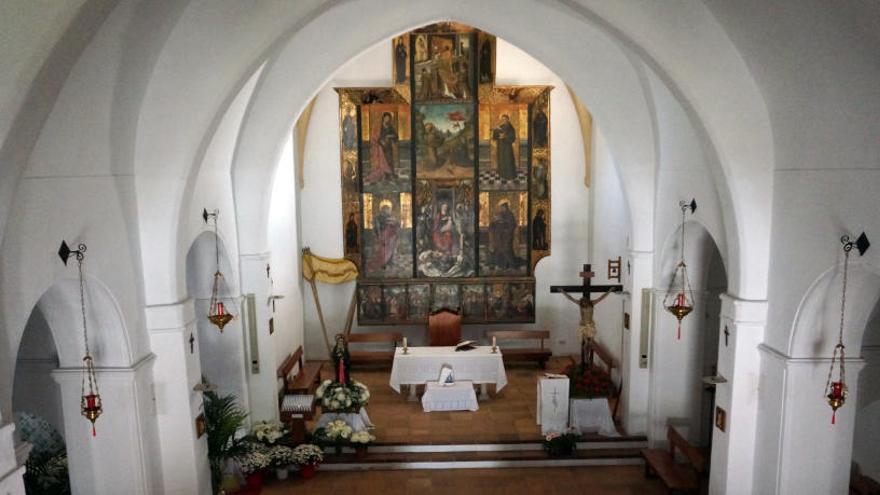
x,y
587,327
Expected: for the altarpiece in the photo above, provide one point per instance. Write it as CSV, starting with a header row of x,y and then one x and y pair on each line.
x,y
445,183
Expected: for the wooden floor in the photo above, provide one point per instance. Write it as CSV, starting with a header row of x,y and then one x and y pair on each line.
x,y
509,416
598,480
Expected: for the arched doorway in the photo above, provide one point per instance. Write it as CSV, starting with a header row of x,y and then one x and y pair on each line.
x,y
678,395
866,455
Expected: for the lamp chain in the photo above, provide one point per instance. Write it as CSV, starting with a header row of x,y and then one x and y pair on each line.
x,y
840,348
89,371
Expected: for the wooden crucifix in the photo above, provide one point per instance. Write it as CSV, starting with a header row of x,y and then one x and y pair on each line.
x,y
587,327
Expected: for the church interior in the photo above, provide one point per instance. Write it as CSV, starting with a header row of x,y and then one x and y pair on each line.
x,y
531,246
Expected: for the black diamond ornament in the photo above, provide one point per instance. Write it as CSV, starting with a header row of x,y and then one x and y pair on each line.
x,y
862,244
64,252
693,205
205,214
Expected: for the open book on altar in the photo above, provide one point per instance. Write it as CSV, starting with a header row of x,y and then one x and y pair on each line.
x,y
466,345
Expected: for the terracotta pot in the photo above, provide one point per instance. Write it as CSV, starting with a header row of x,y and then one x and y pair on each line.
x,y
308,472
254,482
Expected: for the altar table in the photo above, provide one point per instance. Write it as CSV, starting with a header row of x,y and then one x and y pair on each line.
x,y
422,365
592,415
458,396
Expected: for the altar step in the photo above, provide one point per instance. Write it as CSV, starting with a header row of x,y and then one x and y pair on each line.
x,y
615,451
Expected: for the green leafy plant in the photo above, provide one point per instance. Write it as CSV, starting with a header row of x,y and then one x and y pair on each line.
x,y
47,474
560,443
224,417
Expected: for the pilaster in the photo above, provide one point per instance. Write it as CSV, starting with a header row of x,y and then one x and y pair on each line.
x,y
260,348
639,274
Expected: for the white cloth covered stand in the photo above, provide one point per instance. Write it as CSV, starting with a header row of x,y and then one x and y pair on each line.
x,y
592,415
459,396
359,421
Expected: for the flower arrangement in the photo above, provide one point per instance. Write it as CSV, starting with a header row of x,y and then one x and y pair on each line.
x,y
362,438
280,456
589,382
268,432
342,398
561,443
337,430
307,455
255,459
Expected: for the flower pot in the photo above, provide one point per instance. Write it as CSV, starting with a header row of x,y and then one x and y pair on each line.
x,y
254,482
308,472
281,473
360,452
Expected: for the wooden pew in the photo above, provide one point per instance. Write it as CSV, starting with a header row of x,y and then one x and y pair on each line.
x,y
678,477
380,357
306,379
514,354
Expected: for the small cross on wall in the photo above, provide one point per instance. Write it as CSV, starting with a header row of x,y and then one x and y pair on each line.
x,y
726,335
192,341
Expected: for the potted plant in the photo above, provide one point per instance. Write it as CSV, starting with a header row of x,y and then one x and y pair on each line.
x,y
559,444
223,419
339,397
253,462
280,458
308,457
360,440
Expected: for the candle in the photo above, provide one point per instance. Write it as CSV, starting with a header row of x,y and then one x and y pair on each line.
x,y
220,309
404,343
493,341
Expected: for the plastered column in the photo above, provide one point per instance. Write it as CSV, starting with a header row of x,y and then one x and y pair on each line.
x,y
639,273
262,384
174,340
11,468
739,361
124,457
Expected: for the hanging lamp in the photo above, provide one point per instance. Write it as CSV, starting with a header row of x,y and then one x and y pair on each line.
x,y
217,312
90,398
679,297
836,390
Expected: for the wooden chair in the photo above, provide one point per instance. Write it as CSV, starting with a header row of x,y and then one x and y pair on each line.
x,y
382,357
444,328
516,354
678,478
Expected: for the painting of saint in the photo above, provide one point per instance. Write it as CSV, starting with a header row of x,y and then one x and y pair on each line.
x,y
400,61
382,150
370,303
503,233
540,185
540,124
443,67
539,231
473,301
351,235
395,302
522,301
385,150
349,131
444,230
501,236
444,141
486,61
497,301
445,296
505,137
386,237
385,227
419,301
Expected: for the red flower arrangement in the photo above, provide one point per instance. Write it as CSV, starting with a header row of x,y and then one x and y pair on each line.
x,y
589,382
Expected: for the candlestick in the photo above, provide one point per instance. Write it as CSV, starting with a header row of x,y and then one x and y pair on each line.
x,y
494,346
405,346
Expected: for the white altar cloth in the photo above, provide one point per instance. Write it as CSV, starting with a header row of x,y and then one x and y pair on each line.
x,y
422,365
358,421
458,396
552,404
592,415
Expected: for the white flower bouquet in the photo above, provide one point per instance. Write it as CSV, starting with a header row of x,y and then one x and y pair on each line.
x,y
280,456
268,432
254,460
339,397
362,438
338,430
308,455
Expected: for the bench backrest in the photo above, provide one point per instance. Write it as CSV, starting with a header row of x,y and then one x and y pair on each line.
x,y
600,352
693,455
393,337
520,335
286,368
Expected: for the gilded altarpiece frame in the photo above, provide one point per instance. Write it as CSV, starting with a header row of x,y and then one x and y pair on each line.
x,y
445,183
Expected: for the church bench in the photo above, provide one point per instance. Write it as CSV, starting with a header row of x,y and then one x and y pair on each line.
x,y
678,477
307,377
385,356
517,354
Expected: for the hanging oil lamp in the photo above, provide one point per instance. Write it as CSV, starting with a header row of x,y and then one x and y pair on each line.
x,y
679,297
217,312
90,399
835,389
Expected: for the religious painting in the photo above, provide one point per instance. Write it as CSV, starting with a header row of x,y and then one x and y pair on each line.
x,y
444,136
522,301
400,56
486,58
473,302
348,127
385,142
540,179
370,307
419,303
445,229
540,228
387,235
503,233
445,296
396,304
497,301
443,68
504,146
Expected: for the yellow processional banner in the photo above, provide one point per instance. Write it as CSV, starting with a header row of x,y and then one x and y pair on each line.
x,y
328,270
